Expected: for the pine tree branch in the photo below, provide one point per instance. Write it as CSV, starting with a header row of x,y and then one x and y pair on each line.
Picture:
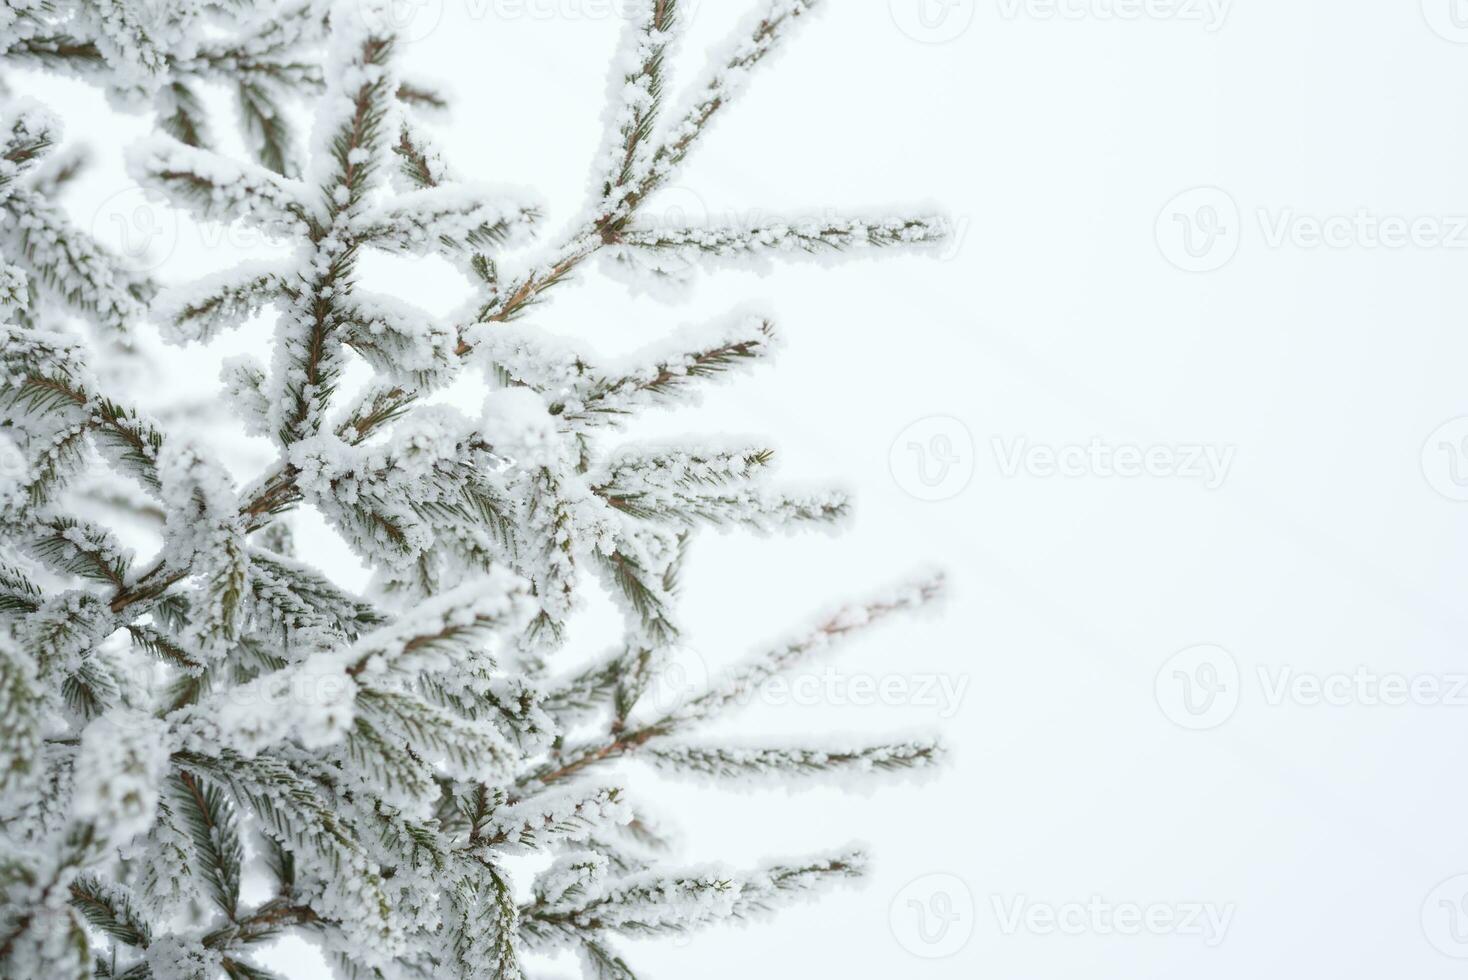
x,y
727,691
386,758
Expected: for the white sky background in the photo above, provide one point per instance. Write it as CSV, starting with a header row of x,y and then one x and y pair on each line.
x,y
1056,143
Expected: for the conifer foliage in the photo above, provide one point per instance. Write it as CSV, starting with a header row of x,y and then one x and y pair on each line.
x,y
211,746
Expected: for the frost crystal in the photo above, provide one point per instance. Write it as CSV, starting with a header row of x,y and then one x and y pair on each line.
x,y
119,766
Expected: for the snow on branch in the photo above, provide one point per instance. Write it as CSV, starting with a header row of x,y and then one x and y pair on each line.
x,y
583,395
455,626
219,189
763,36
71,266
816,237
198,312
42,376
679,903
29,131
845,623
210,743
636,99
459,218
401,342
206,533
780,765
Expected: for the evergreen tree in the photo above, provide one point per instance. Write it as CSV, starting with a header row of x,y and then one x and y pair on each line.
x,y
220,710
